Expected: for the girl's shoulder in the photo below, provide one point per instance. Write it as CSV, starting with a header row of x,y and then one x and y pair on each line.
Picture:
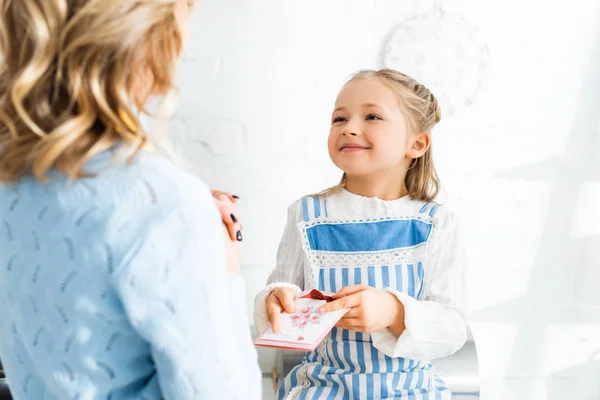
x,y
435,211
446,225
342,204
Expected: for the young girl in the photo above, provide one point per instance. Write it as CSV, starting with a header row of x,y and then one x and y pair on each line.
x,y
117,278
379,241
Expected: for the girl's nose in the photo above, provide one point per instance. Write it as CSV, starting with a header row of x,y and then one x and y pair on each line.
x,y
351,130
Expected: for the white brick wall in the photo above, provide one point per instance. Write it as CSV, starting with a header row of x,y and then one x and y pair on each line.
x,y
258,83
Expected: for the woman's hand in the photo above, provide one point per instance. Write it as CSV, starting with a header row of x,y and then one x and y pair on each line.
x,y
216,193
229,213
371,310
232,233
232,253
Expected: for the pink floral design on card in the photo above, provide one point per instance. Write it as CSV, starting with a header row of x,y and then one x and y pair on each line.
x,y
304,329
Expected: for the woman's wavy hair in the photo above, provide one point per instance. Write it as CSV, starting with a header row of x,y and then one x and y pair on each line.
x,y
73,77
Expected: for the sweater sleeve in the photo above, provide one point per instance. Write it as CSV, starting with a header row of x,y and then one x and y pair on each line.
x,y
177,295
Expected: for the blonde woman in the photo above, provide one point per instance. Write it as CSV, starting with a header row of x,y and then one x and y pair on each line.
x,y
117,277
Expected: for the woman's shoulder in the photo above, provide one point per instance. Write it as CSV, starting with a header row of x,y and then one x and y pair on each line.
x,y
165,181
146,187
153,196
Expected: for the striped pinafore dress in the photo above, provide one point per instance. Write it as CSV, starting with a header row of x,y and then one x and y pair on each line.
x,y
381,252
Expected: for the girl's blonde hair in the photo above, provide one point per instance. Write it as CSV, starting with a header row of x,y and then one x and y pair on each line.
x,y
423,113
73,74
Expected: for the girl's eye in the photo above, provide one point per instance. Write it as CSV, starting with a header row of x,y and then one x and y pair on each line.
x,y
373,117
338,119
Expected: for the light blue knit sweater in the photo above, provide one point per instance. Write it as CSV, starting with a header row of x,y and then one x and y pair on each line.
x,y
114,287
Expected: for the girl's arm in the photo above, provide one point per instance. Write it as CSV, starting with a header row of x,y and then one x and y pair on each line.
x,y
435,323
289,270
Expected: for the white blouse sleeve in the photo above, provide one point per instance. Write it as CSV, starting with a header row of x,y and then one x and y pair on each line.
x,y
435,323
289,270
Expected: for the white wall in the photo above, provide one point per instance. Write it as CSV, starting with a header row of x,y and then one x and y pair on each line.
x,y
258,84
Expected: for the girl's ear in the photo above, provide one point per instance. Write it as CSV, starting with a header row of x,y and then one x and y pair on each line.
x,y
420,144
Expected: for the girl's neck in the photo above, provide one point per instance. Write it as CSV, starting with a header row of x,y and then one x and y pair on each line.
x,y
382,187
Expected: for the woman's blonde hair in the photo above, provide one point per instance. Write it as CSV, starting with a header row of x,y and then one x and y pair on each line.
x,y
73,74
423,113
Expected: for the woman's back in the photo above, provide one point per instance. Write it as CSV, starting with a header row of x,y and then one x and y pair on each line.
x,y
120,284
94,270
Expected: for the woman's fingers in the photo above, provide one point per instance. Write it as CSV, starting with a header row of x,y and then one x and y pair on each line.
x,y
232,253
232,197
229,214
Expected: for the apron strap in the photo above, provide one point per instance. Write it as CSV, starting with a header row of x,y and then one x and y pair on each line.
x,y
429,209
314,207
305,209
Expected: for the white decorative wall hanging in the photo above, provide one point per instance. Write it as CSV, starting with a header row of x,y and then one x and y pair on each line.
x,y
443,52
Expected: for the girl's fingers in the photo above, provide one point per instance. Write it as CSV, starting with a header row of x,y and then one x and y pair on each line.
x,y
348,290
355,312
350,301
352,324
274,315
286,300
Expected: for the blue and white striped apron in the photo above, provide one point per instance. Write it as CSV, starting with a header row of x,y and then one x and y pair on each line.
x,y
346,365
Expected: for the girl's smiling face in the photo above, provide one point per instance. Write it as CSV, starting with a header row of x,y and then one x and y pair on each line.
x,y
369,132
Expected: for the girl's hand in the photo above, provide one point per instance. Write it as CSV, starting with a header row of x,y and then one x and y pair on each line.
x,y
229,214
371,309
278,301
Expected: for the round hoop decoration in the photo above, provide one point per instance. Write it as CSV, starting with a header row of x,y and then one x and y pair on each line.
x,y
441,51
